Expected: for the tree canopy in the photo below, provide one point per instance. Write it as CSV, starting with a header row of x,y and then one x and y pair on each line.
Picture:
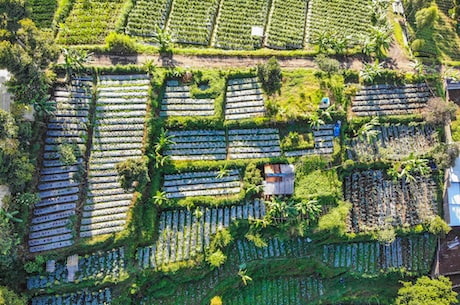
x,y
427,291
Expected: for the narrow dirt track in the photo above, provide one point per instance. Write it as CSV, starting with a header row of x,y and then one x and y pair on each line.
x,y
401,62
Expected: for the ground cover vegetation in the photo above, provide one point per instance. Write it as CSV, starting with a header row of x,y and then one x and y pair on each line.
x,y
155,177
197,226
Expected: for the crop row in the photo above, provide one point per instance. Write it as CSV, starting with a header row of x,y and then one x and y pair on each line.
x,y
393,142
183,234
377,199
145,15
287,20
96,266
83,297
57,189
244,101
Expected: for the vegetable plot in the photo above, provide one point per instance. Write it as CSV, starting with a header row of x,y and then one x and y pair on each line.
x,y
100,297
183,234
145,15
197,145
42,12
177,101
90,21
253,143
118,133
59,192
390,100
192,21
347,18
234,23
376,198
323,137
394,142
244,99
286,28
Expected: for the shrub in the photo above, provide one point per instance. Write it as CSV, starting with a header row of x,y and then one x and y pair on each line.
x,y
326,64
445,154
120,44
417,45
335,221
426,17
67,154
35,266
438,111
133,173
9,297
270,76
427,291
387,235
438,226
216,259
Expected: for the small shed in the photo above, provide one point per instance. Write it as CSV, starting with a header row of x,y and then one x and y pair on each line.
x,y
279,179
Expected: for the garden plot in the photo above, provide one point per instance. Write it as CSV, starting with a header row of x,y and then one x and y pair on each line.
x,y
177,101
347,18
96,266
87,297
390,100
244,99
51,226
145,15
281,290
197,145
394,142
286,27
118,135
253,143
414,253
276,248
192,21
235,21
324,143
90,21
201,184
42,12
376,198
183,234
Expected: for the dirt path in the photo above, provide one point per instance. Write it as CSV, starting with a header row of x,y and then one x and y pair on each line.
x,y
398,60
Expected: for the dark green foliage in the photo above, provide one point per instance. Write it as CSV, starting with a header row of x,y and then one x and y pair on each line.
x,y
326,64
35,266
132,173
427,291
42,12
120,44
9,297
270,75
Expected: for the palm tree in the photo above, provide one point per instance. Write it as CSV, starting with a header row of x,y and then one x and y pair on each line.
x,y
160,198
310,208
244,277
74,60
223,172
367,131
371,71
163,38
163,142
7,216
382,37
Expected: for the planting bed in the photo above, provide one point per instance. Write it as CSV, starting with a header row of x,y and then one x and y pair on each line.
x,y
191,21
244,99
83,297
197,145
42,12
182,234
52,226
145,15
281,290
394,142
390,100
253,143
346,18
323,136
234,23
286,27
90,21
201,184
178,102
414,253
97,266
118,135
377,199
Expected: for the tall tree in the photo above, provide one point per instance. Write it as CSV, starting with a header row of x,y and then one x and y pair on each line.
x,y
427,291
